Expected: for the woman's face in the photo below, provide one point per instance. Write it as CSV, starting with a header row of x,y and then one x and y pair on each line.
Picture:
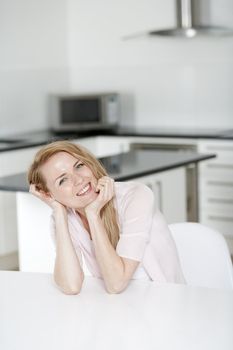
x,y
69,181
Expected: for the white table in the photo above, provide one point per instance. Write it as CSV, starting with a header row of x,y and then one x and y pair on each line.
x,y
34,314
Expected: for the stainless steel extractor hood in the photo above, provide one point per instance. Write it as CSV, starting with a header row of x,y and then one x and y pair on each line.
x,y
186,26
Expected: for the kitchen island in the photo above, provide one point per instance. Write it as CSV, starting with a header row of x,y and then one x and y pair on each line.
x,y
163,171
124,166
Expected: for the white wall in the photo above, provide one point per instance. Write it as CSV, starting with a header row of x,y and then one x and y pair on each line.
x,y
33,61
57,45
166,82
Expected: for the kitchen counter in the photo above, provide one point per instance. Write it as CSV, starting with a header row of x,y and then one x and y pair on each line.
x,y
125,166
38,138
36,315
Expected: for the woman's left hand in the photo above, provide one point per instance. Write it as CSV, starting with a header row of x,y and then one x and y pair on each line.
x,y
105,189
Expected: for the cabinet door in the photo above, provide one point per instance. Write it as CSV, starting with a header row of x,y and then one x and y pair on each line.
x,y
169,188
11,162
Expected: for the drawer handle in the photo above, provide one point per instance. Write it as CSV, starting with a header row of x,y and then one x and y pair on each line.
x,y
220,148
220,183
220,200
220,166
220,218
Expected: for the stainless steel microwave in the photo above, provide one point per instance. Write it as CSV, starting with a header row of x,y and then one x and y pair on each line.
x,y
84,112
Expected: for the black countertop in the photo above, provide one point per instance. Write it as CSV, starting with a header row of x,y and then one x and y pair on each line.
x,y
196,133
37,138
125,166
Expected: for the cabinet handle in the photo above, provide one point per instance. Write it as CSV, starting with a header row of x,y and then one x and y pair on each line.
x,y
220,218
220,148
220,200
219,166
220,183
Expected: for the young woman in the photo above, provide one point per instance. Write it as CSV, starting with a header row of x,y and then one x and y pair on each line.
x,y
114,226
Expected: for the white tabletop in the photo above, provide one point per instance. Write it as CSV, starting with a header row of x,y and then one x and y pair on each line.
x,y
34,314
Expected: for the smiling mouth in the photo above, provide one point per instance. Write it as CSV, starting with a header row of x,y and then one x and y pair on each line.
x,y
84,190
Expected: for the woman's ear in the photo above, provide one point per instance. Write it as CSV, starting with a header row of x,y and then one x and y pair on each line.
x,y
50,195
47,194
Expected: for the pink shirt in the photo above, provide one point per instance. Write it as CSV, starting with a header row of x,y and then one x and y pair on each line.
x,y
144,236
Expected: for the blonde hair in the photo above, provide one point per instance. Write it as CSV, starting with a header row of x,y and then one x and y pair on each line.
x,y
108,212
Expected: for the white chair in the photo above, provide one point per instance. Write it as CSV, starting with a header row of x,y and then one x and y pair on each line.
x,y
204,255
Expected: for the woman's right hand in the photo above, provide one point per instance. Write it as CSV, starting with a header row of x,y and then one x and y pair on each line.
x,y
45,197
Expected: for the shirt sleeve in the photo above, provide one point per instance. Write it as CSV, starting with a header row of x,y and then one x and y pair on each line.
x,y
137,213
53,237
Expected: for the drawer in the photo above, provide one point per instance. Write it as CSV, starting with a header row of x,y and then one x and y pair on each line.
x,y
216,163
217,208
216,189
216,172
222,148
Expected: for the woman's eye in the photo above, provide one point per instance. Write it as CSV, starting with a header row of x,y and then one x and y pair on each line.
x,y
62,181
79,165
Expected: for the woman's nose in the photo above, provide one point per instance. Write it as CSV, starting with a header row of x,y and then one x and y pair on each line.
x,y
77,180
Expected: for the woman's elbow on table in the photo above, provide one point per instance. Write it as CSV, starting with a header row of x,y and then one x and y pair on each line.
x,y
117,289
123,280
71,289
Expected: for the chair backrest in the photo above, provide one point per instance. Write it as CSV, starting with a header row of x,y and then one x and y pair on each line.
x,y
204,255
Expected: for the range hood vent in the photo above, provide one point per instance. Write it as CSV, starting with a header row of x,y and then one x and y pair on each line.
x,y
185,25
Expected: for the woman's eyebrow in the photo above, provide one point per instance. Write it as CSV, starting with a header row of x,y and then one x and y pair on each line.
x,y
60,176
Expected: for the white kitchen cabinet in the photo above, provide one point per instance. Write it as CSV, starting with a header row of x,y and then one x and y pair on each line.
x,y
11,162
216,188
169,189
111,145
